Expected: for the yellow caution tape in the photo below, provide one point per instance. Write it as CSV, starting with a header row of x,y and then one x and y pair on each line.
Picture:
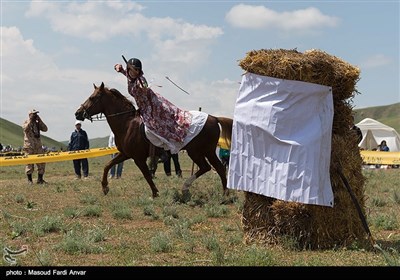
x,y
379,157
56,156
369,157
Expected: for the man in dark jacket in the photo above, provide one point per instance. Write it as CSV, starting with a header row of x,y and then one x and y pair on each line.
x,y
79,141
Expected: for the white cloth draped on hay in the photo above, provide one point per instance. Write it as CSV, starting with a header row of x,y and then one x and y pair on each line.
x,y
281,140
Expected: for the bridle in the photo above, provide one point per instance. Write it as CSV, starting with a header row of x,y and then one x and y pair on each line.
x,y
85,111
101,116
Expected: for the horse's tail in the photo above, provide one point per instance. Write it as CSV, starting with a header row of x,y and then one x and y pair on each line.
x,y
226,127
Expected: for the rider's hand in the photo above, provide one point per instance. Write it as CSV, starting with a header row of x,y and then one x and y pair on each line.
x,y
118,67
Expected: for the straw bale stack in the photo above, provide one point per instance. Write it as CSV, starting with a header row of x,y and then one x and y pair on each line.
x,y
274,221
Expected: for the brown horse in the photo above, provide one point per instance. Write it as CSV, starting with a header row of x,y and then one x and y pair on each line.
x,y
125,121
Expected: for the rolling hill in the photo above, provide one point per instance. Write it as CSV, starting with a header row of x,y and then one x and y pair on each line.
x,y
389,115
11,134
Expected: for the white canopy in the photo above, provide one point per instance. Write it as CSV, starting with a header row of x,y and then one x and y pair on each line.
x,y
374,132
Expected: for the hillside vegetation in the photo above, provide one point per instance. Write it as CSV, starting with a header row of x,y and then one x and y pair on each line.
x,y
11,134
389,115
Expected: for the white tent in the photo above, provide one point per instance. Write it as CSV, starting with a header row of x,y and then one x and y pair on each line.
x,y
374,132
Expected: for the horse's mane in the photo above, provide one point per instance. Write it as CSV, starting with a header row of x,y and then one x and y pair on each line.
x,y
121,98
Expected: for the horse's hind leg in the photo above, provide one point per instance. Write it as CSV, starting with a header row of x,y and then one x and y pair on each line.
x,y
204,167
104,183
146,173
219,167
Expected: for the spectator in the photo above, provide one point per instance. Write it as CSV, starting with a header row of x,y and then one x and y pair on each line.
x,y
383,146
154,158
79,141
33,144
111,143
167,164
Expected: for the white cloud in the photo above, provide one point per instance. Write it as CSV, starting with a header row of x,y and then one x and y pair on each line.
x,y
31,79
173,40
261,17
101,20
375,61
57,92
22,59
11,41
37,9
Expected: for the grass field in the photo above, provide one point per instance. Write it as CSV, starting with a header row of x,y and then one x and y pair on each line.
x,y
70,222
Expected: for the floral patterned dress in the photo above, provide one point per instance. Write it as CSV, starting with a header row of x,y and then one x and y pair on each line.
x,y
159,115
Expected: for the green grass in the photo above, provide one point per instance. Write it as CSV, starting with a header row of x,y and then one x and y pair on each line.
x,y
68,222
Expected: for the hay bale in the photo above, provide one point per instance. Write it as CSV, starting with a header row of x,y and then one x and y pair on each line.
x,y
273,221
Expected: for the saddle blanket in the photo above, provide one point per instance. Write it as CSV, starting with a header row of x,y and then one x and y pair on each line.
x,y
198,120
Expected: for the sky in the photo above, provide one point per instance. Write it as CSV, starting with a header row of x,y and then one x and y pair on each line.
x,y
52,52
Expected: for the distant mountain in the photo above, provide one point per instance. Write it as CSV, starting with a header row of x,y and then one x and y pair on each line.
x,y
11,134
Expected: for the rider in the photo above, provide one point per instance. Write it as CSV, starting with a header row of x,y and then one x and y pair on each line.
x,y
159,115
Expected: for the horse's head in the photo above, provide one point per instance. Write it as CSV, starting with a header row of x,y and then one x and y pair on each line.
x,y
93,105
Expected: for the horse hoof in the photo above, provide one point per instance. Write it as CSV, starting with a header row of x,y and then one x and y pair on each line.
x,y
155,195
229,200
105,190
186,196
226,192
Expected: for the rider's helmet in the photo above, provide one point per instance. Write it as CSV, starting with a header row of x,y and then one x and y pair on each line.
x,y
136,63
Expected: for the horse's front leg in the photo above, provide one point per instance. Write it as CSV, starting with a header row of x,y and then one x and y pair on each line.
x,y
221,170
104,182
146,173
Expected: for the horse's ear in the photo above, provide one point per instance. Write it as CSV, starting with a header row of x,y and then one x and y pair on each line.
x,y
102,86
94,86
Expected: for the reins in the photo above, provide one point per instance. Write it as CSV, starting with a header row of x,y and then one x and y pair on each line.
x,y
103,117
121,113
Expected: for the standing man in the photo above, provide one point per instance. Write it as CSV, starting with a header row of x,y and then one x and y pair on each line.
x,y
79,141
167,164
120,166
32,143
